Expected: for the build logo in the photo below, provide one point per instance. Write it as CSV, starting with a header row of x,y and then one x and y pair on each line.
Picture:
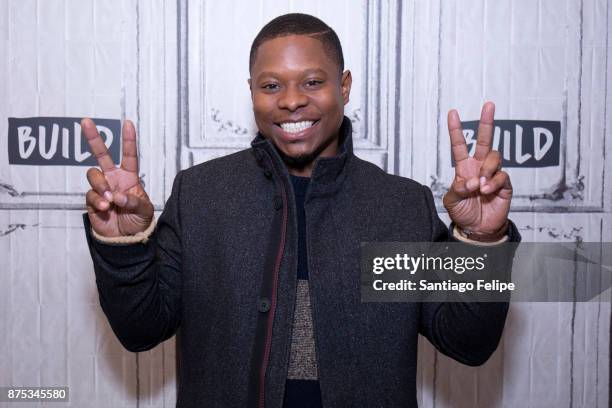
x,y
522,143
46,141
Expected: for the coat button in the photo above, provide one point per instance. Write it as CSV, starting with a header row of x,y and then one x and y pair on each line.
x,y
263,305
268,173
278,202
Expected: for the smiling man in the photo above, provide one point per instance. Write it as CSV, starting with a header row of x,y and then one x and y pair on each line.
x,y
255,259
299,90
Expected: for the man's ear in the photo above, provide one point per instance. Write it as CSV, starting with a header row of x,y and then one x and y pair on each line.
x,y
346,83
250,87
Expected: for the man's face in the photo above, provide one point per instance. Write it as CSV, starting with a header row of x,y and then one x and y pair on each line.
x,y
298,99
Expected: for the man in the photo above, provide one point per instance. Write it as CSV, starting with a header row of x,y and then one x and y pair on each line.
x,y
256,256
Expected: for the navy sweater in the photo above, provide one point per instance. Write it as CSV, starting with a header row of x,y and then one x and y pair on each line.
x,y
301,393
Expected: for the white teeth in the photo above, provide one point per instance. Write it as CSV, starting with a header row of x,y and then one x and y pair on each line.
x,y
295,127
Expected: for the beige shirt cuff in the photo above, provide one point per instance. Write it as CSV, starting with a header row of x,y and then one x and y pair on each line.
x,y
141,237
473,242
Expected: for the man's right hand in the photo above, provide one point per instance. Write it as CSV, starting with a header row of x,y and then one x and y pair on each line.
x,y
117,204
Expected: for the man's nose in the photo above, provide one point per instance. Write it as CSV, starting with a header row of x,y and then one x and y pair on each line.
x,y
292,98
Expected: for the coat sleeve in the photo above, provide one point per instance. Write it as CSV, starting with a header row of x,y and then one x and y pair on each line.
x,y
139,285
468,332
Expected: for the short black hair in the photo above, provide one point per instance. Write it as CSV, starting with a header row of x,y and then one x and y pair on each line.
x,y
300,24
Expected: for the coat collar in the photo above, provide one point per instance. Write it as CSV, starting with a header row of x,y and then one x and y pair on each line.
x,y
327,171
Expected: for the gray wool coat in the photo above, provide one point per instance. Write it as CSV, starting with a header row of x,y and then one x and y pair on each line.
x,y
220,268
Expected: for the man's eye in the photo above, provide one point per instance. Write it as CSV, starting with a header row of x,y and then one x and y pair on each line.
x,y
313,83
270,87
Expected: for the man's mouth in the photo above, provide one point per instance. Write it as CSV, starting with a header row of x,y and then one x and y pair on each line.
x,y
296,127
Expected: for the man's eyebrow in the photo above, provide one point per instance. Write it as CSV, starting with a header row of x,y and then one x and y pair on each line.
x,y
315,71
306,72
266,74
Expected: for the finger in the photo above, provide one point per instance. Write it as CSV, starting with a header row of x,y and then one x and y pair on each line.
x,y
499,184
485,131
96,145
98,182
95,202
491,165
129,159
133,204
458,146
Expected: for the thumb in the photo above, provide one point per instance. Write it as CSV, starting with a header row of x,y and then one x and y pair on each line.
x,y
134,204
460,189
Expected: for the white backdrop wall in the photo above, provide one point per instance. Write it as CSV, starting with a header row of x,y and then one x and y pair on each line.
x,y
179,70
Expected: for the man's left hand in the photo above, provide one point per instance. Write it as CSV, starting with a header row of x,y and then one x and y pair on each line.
x,y
478,200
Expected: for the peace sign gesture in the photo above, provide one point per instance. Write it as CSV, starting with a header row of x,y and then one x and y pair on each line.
x,y
479,198
117,204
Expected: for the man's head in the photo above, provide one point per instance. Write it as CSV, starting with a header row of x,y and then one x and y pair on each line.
x,y
298,88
